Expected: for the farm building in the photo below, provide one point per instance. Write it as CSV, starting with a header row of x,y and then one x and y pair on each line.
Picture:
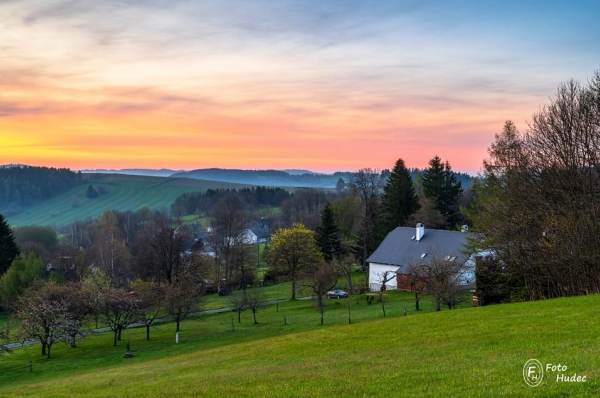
x,y
405,246
255,233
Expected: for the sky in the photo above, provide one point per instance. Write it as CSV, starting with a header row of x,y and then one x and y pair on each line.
x,y
300,84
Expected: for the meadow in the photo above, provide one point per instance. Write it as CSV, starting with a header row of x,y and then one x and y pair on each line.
x,y
468,352
121,192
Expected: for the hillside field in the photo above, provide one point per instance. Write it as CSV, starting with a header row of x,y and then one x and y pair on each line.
x,y
469,352
122,192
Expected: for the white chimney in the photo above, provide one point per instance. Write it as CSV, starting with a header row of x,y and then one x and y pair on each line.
x,y
420,231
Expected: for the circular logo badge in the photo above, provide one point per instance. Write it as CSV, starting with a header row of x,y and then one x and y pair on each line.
x,y
533,373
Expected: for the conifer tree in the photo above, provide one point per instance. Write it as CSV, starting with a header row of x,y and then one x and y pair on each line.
x,y
8,247
91,192
441,186
398,202
327,235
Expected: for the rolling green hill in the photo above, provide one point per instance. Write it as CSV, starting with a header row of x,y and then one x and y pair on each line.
x,y
471,352
122,192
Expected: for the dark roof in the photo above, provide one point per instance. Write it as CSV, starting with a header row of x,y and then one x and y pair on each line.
x,y
400,248
259,229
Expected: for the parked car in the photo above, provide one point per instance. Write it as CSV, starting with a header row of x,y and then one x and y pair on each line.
x,y
337,293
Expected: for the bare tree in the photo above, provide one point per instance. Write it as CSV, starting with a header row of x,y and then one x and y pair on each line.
x,y
384,278
238,301
112,255
442,276
167,244
242,264
427,214
3,342
344,267
322,280
151,297
417,282
94,283
79,307
121,309
5,337
41,309
229,221
182,299
257,299
367,184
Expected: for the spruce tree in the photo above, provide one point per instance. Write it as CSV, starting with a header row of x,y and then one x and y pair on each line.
x,y
441,186
398,202
8,247
327,235
91,192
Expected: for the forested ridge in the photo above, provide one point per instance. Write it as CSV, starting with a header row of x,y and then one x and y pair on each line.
x,y
202,202
25,185
285,179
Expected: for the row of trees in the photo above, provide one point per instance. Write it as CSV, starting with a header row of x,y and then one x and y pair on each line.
x,y
202,202
538,201
51,312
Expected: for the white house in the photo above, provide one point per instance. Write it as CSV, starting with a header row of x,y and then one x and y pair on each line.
x,y
255,233
405,246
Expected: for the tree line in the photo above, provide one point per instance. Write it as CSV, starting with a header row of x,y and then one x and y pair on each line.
x,y
52,312
537,201
190,203
25,185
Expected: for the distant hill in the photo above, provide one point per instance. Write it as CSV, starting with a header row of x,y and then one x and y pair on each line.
x,y
135,172
42,196
296,172
266,177
117,192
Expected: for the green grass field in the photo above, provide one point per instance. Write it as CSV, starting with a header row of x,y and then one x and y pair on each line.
x,y
469,352
123,192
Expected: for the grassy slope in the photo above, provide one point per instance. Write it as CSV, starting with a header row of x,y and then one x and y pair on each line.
x,y
470,352
124,192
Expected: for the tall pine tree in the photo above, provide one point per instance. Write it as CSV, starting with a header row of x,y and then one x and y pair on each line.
x,y
8,247
327,235
398,202
441,186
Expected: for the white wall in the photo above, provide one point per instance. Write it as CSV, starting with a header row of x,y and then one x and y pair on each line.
x,y
375,279
248,237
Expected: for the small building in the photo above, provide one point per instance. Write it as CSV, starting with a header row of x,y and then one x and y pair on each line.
x,y
405,246
255,233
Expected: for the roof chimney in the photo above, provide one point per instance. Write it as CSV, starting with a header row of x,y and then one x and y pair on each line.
x,y
420,231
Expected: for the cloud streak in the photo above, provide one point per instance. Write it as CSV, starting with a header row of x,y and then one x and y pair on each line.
x,y
198,84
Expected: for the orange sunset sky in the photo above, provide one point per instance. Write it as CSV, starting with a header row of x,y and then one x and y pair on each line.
x,y
318,85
